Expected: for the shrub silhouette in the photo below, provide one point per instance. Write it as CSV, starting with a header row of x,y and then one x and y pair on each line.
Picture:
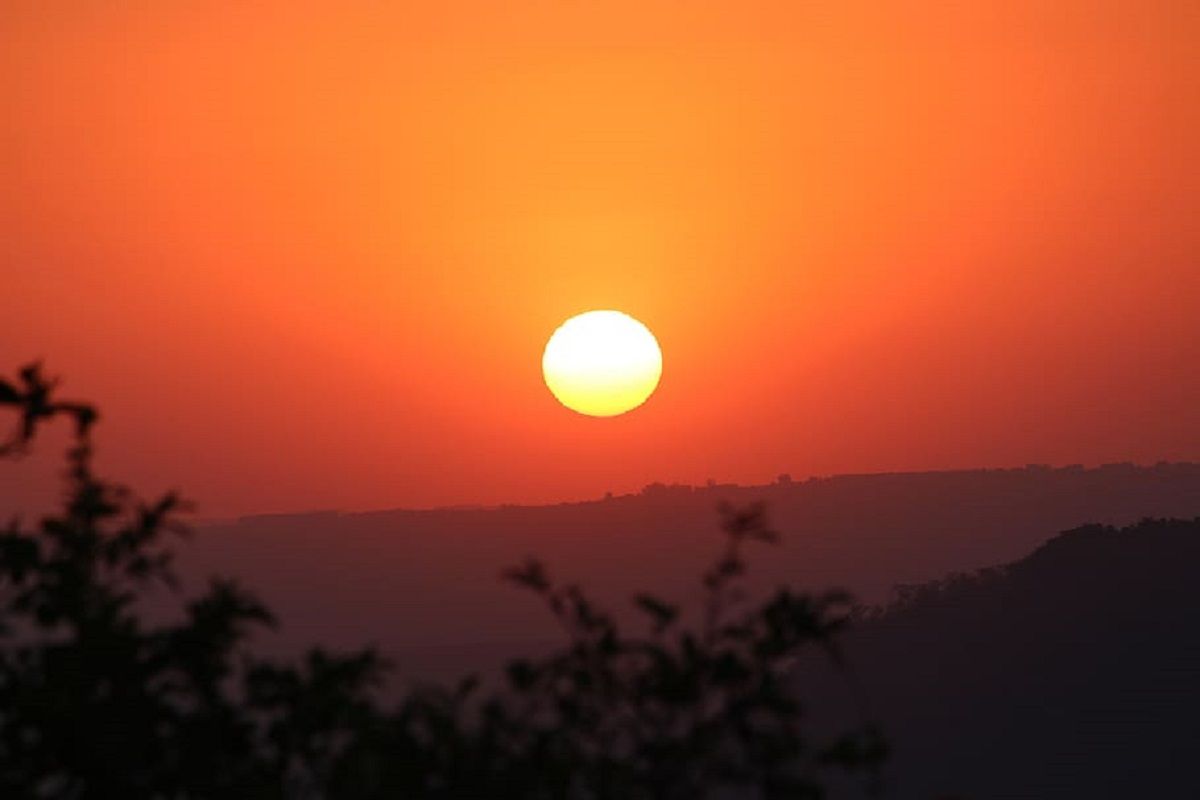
x,y
97,702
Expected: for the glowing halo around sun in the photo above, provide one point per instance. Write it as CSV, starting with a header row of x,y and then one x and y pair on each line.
x,y
602,363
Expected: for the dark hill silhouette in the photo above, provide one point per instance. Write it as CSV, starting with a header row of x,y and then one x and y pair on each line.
x,y
422,584
1071,673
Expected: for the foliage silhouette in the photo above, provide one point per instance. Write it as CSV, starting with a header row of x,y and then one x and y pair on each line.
x,y
97,702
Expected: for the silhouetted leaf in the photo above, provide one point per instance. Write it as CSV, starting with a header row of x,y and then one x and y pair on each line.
x,y
662,613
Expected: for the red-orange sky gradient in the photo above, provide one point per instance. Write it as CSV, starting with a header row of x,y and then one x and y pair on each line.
x,y
307,255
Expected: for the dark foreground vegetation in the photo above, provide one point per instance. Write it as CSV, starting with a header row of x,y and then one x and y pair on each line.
x,y
98,701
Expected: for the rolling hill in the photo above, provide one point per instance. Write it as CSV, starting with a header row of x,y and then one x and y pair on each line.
x,y
423,584
1073,672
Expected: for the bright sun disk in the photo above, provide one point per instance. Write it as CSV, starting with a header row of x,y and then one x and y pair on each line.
x,y
602,363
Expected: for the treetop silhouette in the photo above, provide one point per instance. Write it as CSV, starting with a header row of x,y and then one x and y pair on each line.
x,y
98,702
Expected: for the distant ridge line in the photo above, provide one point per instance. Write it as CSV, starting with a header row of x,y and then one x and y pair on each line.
x,y
663,489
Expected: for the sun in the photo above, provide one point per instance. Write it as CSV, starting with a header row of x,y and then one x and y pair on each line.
x,y
602,363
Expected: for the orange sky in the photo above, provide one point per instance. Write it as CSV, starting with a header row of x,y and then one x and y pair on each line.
x,y
307,255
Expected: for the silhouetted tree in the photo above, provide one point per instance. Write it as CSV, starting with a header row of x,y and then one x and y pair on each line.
x,y
96,702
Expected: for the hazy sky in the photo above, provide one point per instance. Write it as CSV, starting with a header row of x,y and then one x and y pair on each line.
x,y
307,255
